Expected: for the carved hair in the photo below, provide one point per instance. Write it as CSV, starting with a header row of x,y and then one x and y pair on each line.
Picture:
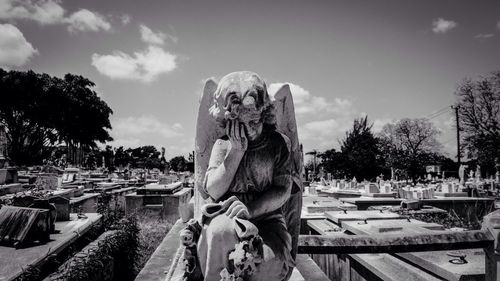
x,y
263,101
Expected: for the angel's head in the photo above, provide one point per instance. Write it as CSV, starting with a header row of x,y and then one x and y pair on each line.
x,y
243,96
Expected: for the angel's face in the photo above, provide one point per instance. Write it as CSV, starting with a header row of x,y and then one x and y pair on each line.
x,y
244,96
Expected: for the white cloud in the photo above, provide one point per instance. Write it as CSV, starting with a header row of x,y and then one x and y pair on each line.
x,y
137,131
323,127
144,127
177,126
41,11
325,134
321,121
85,20
379,123
305,103
484,36
15,50
155,37
144,66
442,26
125,19
51,12
150,37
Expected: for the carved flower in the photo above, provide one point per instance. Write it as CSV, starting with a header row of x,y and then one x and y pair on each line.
x,y
226,276
187,237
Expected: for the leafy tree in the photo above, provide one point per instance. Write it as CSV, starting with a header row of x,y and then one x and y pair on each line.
x,y
178,163
409,145
122,157
39,111
332,162
146,157
359,151
478,103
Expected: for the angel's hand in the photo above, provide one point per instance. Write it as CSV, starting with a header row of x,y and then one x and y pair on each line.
x,y
237,136
238,209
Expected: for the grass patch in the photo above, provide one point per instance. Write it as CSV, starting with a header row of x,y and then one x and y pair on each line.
x,y
152,229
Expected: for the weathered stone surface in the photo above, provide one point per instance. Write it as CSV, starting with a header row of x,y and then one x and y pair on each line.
x,y
327,205
386,267
364,202
309,269
167,205
438,262
62,207
10,188
152,189
86,203
21,226
403,227
11,258
323,227
241,99
450,194
8,175
386,243
340,216
340,193
463,205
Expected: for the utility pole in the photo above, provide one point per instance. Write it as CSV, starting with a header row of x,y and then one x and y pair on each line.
x,y
458,135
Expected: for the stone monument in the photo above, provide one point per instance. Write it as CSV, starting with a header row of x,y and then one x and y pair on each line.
x,y
3,147
248,188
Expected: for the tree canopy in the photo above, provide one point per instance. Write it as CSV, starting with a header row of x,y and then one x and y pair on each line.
x,y
358,156
39,110
409,145
360,151
178,163
478,103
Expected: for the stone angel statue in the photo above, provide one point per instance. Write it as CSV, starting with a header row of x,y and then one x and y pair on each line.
x,y
248,193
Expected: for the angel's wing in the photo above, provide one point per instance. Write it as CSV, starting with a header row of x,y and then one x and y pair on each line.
x,y
287,125
206,135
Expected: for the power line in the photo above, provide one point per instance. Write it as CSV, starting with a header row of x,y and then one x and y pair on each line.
x,y
438,113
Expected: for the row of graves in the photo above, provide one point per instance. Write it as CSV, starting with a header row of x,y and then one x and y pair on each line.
x,y
44,212
38,220
369,231
449,195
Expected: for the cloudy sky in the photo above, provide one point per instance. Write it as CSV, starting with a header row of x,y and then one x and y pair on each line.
x,y
343,59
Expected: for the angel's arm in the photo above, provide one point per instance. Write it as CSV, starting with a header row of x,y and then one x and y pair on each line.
x,y
222,167
225,159
274,197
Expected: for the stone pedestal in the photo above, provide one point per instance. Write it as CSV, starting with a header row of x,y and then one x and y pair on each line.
x,y
10,188
8,175
167,205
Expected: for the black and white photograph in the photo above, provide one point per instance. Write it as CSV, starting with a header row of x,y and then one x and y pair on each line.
x,y
232,140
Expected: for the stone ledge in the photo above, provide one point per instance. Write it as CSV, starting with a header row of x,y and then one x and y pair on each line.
x,y
157,267
159,264
11,188
309,270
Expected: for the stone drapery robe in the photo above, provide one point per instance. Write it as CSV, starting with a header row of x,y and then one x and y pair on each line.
x,y
266,164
